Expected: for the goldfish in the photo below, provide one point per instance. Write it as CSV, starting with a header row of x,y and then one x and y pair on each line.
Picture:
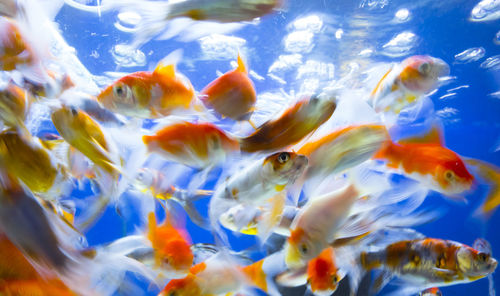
x,y
156,15
218,277
343,149
430,262
198,145
232,94
14,104
321,274
316,224
85,134
19,277
149,94
16,50
404,83
25,158
291,126
172,248
431,292
150,180
426,160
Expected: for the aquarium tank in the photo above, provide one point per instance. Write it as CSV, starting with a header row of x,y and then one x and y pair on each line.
x,y
249,147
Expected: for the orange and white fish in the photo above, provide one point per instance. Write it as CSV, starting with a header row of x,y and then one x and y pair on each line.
x,y
171,248
322,274
16,50
14,104
291,126
149,94
404,83
426,160
218,277
198,145
232,94
430,262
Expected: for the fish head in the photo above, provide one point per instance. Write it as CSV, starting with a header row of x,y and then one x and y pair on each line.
x,y
231,220
322,106
145,179
286,166
127,96
187,286
452,175
420,73
299,249
475,264
322,273
176,257
65,119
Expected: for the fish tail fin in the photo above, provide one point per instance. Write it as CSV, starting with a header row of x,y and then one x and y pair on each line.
x,y
241,64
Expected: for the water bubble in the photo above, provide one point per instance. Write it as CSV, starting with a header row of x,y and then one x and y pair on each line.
x,y
221,47
316,69
496,40
299,41
492,62
128,21
339,33
486,10
400,45
311,23
127,56
470,55
285,63
402,15
374,4
366,52
448,115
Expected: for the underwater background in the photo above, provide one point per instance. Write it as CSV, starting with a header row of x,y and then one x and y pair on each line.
x,y
305,46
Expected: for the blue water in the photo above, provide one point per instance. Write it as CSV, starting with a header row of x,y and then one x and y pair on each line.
x,y
441,29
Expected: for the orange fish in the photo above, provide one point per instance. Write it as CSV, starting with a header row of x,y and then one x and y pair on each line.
x,y
322,273
198,145
216,277
404,83
20,278
15,49
172,247
431,292
149,94
231,95
291,126
428,161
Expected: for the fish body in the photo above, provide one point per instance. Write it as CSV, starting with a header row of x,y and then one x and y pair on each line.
x,y
404,83
291,126
217,277
198,145
431,292
85,134
431,262
25,158
262,179
436,166
149,94
316,223
172,248
343,149
232,94
14,103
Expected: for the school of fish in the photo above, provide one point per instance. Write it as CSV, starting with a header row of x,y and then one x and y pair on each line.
x,y
327,200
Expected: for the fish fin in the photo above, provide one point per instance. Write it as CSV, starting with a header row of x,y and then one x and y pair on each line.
x,y
491,174
272,216
379,84
195,216
293,278
434,136
256,274
241,64
252,124
167,71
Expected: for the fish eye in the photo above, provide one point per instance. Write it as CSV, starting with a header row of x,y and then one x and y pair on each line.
x,y
335,279
424,68
283,157
314,100
304,249
173,293
449,175
140,176
74,111
121,91
483,257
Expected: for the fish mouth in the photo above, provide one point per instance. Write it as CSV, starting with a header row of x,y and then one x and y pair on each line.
x,y
441,68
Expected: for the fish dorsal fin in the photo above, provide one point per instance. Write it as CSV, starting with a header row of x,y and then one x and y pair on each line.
x,y
163,70
434,136
241,64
